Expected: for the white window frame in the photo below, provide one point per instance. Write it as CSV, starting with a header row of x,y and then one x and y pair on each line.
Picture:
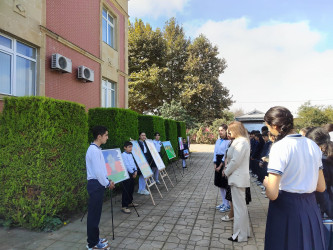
x,y
112,44
106,103
13,53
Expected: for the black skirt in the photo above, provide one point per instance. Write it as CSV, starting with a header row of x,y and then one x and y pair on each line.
x,y
219,180
294,222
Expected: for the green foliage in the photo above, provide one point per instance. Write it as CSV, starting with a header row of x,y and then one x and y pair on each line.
x,y
309,116
122,125
42,160
176,111
172,77
181,129
151,124
172,133
204,96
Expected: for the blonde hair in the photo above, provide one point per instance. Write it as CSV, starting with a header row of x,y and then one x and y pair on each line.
x,y
238,129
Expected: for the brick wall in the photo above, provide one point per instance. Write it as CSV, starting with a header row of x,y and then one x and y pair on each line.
x,y
77,21
66,86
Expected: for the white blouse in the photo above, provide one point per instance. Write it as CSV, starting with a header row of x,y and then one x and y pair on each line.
x,y
298,160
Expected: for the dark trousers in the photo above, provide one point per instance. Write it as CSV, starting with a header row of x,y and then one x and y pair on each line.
x,y
96,194
128,189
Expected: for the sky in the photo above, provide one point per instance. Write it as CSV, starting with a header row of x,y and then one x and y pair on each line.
x,y
278,52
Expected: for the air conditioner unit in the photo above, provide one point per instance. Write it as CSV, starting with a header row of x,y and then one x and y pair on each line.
x,y
85,74
61,63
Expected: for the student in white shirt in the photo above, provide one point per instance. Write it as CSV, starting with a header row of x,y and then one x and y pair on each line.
x,y
128,185
220,181
157,144
97,183
294,174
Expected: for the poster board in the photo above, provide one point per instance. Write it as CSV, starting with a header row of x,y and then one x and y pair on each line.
x,y
188,141
169,149
115,166
180,142
156,156
141,160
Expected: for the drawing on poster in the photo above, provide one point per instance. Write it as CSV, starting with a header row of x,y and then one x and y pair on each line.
x,y
169,149
180,142
115,166
156,156
141,160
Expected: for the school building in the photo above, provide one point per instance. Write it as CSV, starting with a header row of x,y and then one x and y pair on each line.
x,y
65,49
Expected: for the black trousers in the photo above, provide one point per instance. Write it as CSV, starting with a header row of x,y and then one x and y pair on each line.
x,y
96,194
128,189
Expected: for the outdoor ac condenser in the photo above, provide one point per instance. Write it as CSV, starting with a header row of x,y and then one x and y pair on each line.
x,y
61,63
85,74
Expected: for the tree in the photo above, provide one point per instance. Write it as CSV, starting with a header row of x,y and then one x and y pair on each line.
x,y
147,51
204,96
146,47
175,111
176,58
310,116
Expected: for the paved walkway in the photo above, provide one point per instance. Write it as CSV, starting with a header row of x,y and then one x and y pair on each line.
x,y
185,218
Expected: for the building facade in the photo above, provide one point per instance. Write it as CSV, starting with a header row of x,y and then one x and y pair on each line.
x,y
65,49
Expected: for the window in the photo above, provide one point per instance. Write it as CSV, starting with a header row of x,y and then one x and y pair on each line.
x,y
108,94
108,28
17,67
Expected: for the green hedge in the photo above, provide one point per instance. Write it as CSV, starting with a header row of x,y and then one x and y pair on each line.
x,y
42,160
171,133
181,129
122,125
151,124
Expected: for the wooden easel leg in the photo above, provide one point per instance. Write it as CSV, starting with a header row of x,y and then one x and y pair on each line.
x,y
151,196
162,174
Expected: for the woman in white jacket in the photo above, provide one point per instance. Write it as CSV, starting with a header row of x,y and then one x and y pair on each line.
x,y
237,171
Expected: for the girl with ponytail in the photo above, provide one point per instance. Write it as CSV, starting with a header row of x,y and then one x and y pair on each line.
x,y
294,174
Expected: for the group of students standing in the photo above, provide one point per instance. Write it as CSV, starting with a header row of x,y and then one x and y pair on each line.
x,y
294,170
98,180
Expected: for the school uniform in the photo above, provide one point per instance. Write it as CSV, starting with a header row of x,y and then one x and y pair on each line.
x,y
293,219
237,171
220,149
128,185
97,182
263,169
158,145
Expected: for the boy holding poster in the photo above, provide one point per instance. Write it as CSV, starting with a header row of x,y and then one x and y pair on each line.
x,y
97,182
128,185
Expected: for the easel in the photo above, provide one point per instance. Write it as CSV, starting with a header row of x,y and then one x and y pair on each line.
x,y
163,174
150,182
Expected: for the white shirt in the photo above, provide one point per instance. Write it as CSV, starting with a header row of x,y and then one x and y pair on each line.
x,y
95,164
129,162
157,145
331,135
221,146
298,160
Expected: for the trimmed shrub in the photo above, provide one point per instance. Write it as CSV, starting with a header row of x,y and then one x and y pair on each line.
x,y
171,133
122,125
181,129
43,143
151,124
